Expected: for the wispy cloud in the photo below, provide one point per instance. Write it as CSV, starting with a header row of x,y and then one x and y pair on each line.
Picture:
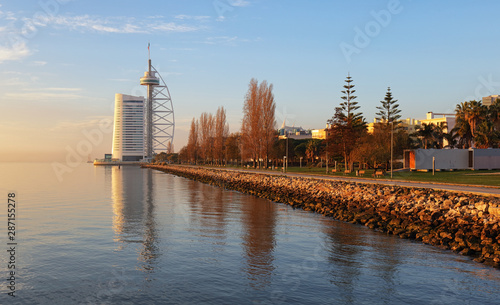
x,y
221,39
62,89
228,40
42,96
172,27
18,49
119,79
239,3
39,63
7,15
15,52
46,94
89,122
190,17
123,25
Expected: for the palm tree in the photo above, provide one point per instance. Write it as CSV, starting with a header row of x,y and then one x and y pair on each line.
x,y
312,149
462,126
439,133
486,135
452,138
425,133
494,114
474,113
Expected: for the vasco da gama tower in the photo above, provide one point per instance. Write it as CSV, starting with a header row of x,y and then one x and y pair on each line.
x,y
143,127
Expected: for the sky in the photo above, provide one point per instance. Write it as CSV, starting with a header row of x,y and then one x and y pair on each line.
x,y
62,61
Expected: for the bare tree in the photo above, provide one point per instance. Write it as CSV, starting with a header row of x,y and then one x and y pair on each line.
x,y
258,126
233,147
252,122
206,134
170,148
220,134
193,145
268,119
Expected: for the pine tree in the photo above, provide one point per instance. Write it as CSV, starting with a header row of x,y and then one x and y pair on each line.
x,y
347,125
388,111
345,114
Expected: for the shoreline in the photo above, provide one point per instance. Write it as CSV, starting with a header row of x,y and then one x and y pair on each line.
x,y
468,224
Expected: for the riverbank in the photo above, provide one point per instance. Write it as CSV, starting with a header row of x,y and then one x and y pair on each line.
x,y
465,223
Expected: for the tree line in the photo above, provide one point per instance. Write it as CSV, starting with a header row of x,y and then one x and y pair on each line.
x,y
210,142
348,141
207,139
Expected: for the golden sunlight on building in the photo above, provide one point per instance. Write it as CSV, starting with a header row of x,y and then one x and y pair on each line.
x,y
410,125
440,118
319,133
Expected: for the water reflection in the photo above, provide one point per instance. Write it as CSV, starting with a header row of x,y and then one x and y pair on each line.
x,y
134,213
351,250
214,216
208,213
259,222
344,256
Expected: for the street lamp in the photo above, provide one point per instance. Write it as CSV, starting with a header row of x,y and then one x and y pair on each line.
x,y
286,152
326,137
241,153
392,140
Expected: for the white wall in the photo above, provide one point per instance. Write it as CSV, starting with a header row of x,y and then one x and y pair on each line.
x,y
445,158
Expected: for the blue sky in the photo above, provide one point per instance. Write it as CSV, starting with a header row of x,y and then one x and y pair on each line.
x,y
62,61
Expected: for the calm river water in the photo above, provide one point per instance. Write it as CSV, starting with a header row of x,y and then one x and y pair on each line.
x,y
108,235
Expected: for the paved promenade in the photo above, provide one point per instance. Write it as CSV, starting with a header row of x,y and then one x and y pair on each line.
x,y
481,190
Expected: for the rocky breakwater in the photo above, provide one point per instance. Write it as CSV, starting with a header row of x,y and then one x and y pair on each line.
x,y
465,223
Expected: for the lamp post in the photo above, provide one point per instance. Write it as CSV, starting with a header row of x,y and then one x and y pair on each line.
x,y
286,168
326,137
392,140
241,154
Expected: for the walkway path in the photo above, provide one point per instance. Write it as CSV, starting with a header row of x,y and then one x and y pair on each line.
x,y
474,189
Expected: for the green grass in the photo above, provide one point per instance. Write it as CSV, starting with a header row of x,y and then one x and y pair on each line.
x,y
480,177
467,177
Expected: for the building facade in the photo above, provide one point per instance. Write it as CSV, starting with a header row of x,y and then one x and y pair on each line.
x,y
452,159
448,119
319,133
128,128
409,124
490,100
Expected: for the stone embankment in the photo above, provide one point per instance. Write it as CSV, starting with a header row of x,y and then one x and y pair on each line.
x,y
467,224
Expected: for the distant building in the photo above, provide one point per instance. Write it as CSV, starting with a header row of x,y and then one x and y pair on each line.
x,y
452,159
319,133
297,133
437,118
408,124
128,129
490,100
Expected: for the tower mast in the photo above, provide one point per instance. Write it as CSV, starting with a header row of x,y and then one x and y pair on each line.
x,y
150,80
160,123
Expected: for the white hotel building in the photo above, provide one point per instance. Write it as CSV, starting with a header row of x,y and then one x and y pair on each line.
x,y
128,130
